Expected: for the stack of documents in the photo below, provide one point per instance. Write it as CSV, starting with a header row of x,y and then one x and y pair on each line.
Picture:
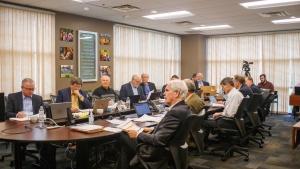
x,y
145,118
88,128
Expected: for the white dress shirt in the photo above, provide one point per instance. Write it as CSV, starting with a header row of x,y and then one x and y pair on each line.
x,y
235,97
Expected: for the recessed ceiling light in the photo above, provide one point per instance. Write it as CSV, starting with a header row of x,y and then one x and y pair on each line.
x,y
269,3
287,21
86,8
153,11
170,15
212,27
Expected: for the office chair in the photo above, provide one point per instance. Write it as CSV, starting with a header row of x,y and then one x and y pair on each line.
x,y
262,113
197,133
253,126
275,101
117,93
178,152
233,135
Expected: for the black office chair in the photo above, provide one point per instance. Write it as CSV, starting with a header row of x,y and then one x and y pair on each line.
x,y
178,152
197,133
263,113
233,135
253,126
275,101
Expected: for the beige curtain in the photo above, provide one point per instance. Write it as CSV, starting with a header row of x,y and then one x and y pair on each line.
x,y
139,50
276,55
27,49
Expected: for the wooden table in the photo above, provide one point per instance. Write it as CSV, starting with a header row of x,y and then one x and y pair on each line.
x,y
295,101
28,133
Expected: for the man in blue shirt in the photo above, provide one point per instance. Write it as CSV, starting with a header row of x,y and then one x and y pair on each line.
x,y
146,85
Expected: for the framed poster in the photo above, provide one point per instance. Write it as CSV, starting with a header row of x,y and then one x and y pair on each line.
x,y
88,56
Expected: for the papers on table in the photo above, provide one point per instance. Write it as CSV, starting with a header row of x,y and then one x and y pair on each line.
x,y
145,118
217,105
128,125
84,110
88,128
81,115
114,121
113,130
19,119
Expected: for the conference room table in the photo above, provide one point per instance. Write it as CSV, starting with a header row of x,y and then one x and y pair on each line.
x,y
295,101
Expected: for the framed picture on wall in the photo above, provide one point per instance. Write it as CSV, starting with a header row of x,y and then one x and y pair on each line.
x,y
104,55
66,71
66,53
66,35
104,39
105,70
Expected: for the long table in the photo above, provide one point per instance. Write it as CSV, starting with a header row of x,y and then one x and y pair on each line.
x,y
295,101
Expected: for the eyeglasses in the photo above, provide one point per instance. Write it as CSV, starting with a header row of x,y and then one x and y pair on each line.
x,y
29,89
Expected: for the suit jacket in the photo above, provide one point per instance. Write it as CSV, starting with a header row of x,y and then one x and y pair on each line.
x,y
15,104
126,91
197,84
64,95
151,86
195,103
162,135
246,90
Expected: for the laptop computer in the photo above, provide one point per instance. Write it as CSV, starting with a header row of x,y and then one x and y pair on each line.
x,y
59,110
101,104
142,108
154,96
297,90
225,96
212,99
134,99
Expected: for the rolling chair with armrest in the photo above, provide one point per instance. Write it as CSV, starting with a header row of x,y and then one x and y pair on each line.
x,y
178,152
233,135
262,112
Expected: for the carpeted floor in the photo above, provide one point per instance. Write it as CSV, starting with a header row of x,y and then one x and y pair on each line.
x,y
277,152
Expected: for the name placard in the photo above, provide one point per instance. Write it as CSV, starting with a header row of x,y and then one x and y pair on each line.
x,y
88,56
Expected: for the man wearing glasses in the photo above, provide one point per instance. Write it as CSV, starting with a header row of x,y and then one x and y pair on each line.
x,y
23,103
132,88
75,95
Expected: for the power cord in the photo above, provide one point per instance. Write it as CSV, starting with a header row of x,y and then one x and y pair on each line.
x,y
28,129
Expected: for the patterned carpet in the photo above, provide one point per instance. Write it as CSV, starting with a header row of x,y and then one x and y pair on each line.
x,y
277,152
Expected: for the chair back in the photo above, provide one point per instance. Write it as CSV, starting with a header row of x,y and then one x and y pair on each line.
x,y
2,107
240,113
53,98
252,109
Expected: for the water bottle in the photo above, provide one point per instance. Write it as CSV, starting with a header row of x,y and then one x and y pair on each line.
x,y
41,117
127,103
91,118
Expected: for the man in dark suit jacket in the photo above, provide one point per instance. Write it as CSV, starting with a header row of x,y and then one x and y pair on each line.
x,y
199,82
75,95
147,86
132,88
174,77
157,140
24,103
254,88
239,83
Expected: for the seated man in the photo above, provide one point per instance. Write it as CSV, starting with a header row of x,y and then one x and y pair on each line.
x,y
24,103
249,82
199,82
174,77
239,83
104,91
147,86
193,100
264,84
234,99
132,88
157,140
75,95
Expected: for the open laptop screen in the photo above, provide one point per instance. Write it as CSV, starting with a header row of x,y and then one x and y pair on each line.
x,y
101,104
212,99
142,108
297,90
154,96
134,99
59,110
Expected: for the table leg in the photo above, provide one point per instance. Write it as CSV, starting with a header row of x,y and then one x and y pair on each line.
x,y
48,156
18,155
82,155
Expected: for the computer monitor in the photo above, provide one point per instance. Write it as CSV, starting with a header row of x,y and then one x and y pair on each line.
x,y
297,90
208,90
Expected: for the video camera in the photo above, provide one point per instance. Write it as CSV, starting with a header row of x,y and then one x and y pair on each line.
x,y
246,65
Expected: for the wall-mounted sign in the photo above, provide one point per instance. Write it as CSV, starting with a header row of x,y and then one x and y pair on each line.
x,y
88,56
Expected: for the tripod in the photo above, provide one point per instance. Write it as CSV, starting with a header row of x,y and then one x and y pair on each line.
x,y
247,73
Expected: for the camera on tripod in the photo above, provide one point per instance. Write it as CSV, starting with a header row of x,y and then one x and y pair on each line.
x,y
246,67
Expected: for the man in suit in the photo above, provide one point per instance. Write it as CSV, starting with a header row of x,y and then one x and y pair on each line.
x,y
193,100
147,86
24,103
239,83
249,82
174,77
104,91
154,152
132,88
75,95
199,82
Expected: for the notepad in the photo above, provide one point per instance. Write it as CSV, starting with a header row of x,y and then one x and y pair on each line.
x,y
19,119
88,128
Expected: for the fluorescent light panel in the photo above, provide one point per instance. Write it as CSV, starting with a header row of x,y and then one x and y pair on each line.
x,y
212,27
287,21
269,3
170,15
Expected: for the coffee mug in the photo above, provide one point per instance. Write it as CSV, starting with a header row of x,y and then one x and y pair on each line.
x,y
33,118
99,111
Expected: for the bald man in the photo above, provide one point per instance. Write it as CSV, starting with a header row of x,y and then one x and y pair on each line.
x,y
199,82
132,88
